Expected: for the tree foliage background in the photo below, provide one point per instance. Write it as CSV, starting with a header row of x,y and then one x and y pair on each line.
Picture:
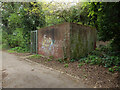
x,y
19,18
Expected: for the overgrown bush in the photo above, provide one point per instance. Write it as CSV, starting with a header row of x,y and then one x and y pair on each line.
x,y
5,37
16,39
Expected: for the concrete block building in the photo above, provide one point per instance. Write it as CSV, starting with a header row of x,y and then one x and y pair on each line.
x,y
67,40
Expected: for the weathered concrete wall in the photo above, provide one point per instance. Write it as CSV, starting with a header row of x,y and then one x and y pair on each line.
x,y
52,40
82,40
66,40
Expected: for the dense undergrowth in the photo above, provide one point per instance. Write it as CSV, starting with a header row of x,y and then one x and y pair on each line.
x,y
18,49
103,56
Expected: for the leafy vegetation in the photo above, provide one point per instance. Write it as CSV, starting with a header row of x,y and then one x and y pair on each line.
x,y
11,51
65,65
60,60
28,16
19,49
20,18
81,64
72,60
105,16
36,56
103,57
51,57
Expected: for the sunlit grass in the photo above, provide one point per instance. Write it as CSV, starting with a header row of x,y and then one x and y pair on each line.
x,y
36,56
11,51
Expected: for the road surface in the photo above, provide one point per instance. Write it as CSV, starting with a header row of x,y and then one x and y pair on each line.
x,y
19,73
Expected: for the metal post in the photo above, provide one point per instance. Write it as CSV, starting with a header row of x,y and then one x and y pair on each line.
x,y
36,41
31,42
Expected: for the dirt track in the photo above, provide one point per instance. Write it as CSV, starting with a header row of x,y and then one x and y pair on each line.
x,y
18,73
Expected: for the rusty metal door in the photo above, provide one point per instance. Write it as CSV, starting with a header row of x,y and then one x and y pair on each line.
x,y
34,42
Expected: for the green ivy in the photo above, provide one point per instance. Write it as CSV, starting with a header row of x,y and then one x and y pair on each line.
x,y
102,57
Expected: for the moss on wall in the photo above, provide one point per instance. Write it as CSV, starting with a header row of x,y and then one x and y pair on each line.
x,y
82,40
69,40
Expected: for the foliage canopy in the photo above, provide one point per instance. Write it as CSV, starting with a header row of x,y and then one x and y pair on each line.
x,y
27,16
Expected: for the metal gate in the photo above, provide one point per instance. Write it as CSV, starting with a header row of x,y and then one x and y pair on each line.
x,y
34,42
